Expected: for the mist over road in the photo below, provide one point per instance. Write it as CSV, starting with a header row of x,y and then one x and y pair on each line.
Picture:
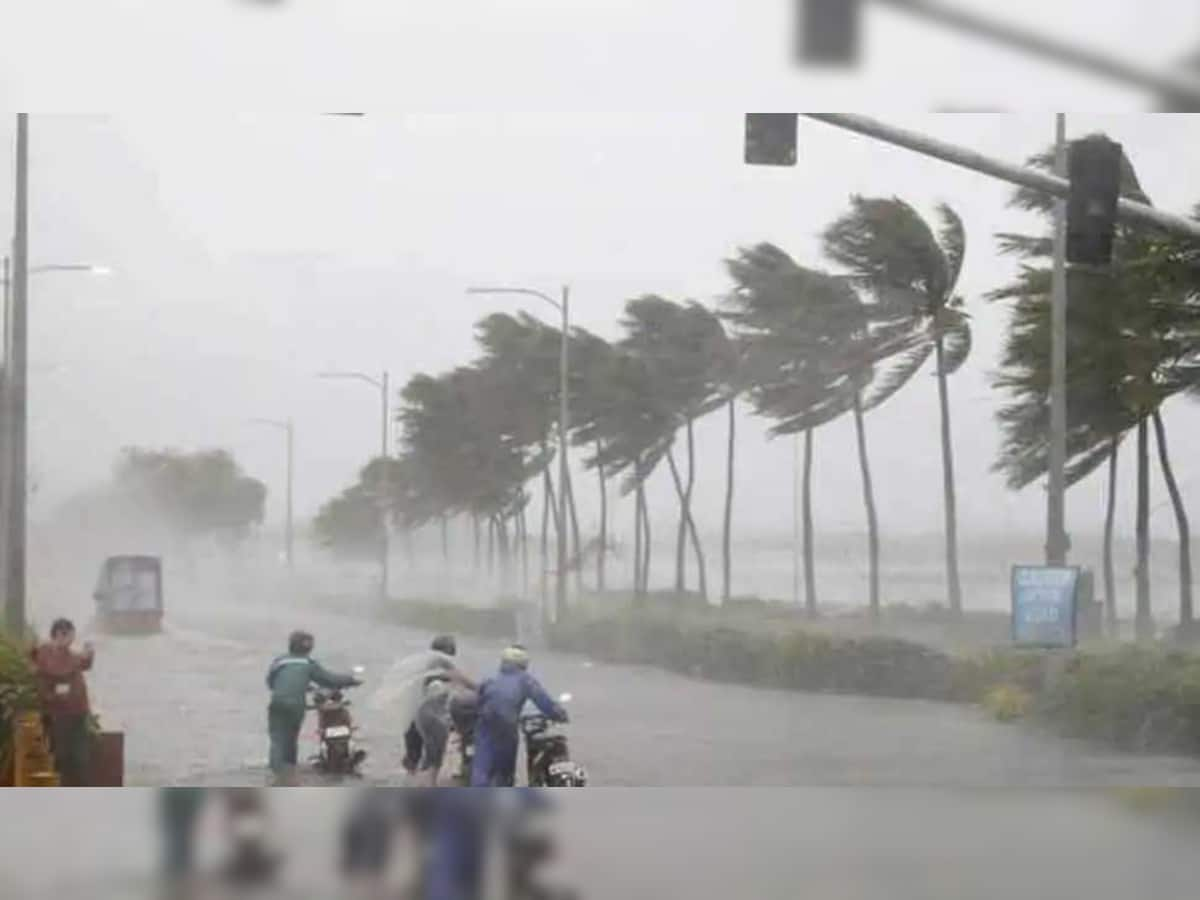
x,y
192,702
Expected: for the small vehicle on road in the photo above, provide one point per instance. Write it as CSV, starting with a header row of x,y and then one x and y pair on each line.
x,y
336,732
129,595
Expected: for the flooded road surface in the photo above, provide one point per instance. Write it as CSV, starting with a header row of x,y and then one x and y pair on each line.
x,y
192,702
766,844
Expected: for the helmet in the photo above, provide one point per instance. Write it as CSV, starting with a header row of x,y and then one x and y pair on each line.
x,y
300,643
445,643
516,655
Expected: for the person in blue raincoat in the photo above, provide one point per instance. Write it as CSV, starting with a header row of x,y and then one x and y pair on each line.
x,y
501,699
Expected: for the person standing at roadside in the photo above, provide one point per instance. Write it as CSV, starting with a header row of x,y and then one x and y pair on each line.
x,y
63,691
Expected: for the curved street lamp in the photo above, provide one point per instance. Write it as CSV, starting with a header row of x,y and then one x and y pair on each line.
x,y
380,384
563,306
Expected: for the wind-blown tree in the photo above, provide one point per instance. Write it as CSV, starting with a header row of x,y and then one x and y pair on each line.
x,y
632,430
1133,340
811,351
195,494
521,357
465,449
596,402
891,252
678,343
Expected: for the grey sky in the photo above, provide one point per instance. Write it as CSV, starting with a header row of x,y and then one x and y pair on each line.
x,y
252,251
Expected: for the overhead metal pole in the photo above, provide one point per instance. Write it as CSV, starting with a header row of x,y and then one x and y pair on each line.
x,y
1056,535
16,370
1056,186
1097,62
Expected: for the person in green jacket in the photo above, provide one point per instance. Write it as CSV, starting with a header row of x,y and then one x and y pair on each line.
x,y
288,680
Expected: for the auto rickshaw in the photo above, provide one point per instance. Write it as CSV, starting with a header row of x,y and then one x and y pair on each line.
x,y
129,596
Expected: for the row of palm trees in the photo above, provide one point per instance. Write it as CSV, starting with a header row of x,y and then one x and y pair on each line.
x,y
1133,344
802,346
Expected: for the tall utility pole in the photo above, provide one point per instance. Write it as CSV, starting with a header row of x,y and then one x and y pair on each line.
x,y
16,371
289,531
380,384
564,427
1056,534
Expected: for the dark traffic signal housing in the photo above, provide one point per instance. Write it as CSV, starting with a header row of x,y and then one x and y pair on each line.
x,y
827,32
1095,170
771,139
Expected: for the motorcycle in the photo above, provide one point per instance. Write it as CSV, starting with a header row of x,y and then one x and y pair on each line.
x,y
548,758
337,754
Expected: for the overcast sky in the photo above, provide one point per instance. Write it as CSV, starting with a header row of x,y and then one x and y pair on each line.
x,y
251,251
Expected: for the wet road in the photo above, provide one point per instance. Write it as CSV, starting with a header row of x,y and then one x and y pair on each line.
x,y
832,843
192,703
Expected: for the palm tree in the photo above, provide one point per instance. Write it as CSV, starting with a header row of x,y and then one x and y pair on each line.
x,y
809,356
678,344
1133,342
892,252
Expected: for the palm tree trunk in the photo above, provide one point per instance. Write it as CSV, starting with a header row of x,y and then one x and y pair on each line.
x,y
727,529
445,541
689,523
1110,580
1144,620
647,546
691,520
524,549
954,583
491,546
681,538
637,541
475,527
601,557
810,572
1186,614
869,501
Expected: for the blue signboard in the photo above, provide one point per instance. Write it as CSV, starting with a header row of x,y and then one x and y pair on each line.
x,y
1044,605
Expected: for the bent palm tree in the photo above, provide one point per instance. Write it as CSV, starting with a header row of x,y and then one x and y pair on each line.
x,y
911,272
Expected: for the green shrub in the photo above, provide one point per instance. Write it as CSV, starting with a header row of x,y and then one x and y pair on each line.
x,y
1139,698
18,692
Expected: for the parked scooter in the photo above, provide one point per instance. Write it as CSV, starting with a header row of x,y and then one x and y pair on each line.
x,y
336,731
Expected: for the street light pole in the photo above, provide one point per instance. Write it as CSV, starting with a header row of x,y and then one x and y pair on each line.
x,y
16,371
1056,536
564,429
385,483
381,384
564,426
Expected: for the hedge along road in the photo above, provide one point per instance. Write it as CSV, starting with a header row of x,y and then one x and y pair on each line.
x,y
192,703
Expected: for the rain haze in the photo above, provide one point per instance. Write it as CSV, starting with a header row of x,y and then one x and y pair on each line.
x,y
251,252
208,243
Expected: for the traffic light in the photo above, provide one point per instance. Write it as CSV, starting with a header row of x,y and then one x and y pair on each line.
x,y
827,31
771,139
1095,167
